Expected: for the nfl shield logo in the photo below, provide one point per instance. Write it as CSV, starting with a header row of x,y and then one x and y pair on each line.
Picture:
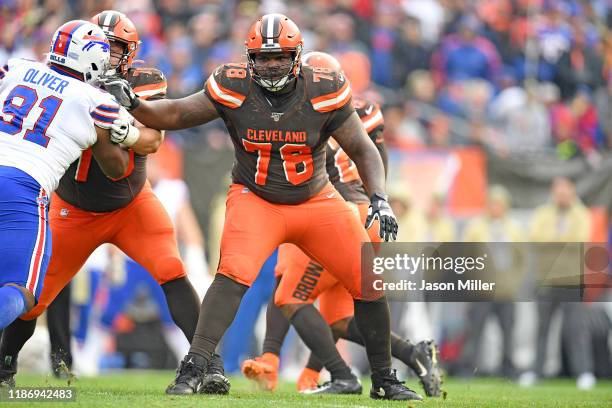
x,y
276,116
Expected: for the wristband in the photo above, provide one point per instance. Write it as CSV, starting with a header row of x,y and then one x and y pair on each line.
x,y
132,136
378,197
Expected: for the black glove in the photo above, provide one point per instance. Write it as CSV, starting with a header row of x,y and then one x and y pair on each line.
x,y
121,90
381,210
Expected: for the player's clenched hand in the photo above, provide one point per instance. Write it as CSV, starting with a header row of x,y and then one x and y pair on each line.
x,y
381,210
121,90
123,132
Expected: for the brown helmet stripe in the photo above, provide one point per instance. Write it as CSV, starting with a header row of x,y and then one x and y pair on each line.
x,y
108,20
270,28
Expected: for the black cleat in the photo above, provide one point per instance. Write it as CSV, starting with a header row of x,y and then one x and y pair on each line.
x,y
188,376
215,381
386,386
8,369
337,386
424,363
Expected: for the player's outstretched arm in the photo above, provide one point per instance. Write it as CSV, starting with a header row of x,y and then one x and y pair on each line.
x,y
112,158
175,114
354,140
165,114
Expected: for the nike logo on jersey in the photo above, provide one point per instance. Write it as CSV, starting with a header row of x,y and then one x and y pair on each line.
x,y
369,109
331,195
422,369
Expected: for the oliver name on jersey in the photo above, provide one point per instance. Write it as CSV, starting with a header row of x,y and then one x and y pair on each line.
x,y
48,119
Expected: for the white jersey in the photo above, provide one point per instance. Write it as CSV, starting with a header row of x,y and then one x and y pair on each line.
x,y
47,119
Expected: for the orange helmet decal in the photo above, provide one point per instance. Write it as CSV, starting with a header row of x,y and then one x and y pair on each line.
x,y
119,28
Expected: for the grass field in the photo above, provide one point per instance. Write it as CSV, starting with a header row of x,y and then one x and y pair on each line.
x,y
146,389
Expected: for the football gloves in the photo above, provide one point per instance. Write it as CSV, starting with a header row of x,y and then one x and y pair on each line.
x,y
381,210
121,90
122,132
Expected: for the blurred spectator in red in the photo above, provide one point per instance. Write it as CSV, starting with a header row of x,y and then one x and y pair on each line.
x,y
575,127
465,55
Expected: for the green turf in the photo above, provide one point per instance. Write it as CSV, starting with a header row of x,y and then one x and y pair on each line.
x,y
146,389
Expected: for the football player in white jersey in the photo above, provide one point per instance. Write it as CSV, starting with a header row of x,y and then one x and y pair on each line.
x,y
48,115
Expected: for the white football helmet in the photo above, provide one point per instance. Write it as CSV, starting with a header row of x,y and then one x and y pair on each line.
x,y
82,47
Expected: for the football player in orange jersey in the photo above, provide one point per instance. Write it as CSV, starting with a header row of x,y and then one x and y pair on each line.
x,y
280,116
300,280
89,209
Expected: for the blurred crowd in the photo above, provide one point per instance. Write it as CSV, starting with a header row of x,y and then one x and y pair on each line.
x,y
514,77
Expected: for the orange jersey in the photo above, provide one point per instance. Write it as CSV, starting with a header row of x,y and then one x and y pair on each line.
x,y
85,186
280,138
341,169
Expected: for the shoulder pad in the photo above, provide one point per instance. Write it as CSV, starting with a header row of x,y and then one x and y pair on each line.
x,y
328,90
229,85
370,114
147,83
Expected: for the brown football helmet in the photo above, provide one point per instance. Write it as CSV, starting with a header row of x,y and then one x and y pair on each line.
x,y
274,33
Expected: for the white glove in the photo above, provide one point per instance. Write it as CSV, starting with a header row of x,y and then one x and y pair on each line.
x,y
124,133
